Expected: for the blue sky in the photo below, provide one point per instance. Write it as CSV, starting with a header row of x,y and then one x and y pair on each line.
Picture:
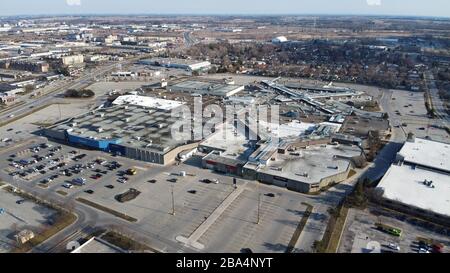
x,y
439,8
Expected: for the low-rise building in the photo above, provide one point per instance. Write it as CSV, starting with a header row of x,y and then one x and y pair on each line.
x,y
72,60
135,127
186,64
419,181
206,88
305,170
97,245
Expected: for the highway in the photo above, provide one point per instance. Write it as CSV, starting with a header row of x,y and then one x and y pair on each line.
x,y
188,39
438,104
56,91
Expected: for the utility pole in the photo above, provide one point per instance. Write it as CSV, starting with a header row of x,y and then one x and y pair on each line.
x,y
259,208
173,203
60,115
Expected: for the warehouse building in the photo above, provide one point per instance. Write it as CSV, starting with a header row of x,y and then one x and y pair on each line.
x,y
136,131
419,182
148,102
31,65
206,88
185,64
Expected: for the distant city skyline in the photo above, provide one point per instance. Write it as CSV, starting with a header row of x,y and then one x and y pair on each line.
x,y
433,8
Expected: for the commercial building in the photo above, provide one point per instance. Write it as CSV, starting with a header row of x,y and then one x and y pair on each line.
x,y
227,150
280,39
72,60
186,64
206,88
97,245
148,102
134,127
419,181
9,90
12,75
301,160
30,65
305,170
7,99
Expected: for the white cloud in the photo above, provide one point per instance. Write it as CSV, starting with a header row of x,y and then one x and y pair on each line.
x,y
373,2
73,2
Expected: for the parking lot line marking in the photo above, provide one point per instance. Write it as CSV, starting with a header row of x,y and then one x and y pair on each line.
x,y
195,236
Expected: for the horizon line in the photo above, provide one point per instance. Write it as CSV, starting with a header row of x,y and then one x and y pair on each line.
x,y
226,15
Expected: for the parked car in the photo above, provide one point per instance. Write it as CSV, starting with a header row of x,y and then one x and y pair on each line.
x,y
80,181
246,250
393,246
68,186
209,181
121,180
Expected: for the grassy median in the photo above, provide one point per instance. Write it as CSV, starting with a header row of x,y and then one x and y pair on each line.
x,y
107,210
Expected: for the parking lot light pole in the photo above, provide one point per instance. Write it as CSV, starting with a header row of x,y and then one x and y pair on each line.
x,y
259,205
173,202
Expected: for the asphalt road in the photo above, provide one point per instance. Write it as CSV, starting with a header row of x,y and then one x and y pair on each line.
x,y
188,39
438,104
56,91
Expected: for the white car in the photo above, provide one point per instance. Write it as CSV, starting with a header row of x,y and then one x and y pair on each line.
x,y
423,250
68,186
394,246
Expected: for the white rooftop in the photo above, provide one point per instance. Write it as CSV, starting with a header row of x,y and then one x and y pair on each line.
x,y
317,161
294,128
233,145
405,185
149,102
427,153
97,245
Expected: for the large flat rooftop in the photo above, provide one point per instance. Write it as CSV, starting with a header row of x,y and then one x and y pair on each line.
x,y
207,88
404,184
150,102
135,126
231,142
317,162
167,61
427,153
